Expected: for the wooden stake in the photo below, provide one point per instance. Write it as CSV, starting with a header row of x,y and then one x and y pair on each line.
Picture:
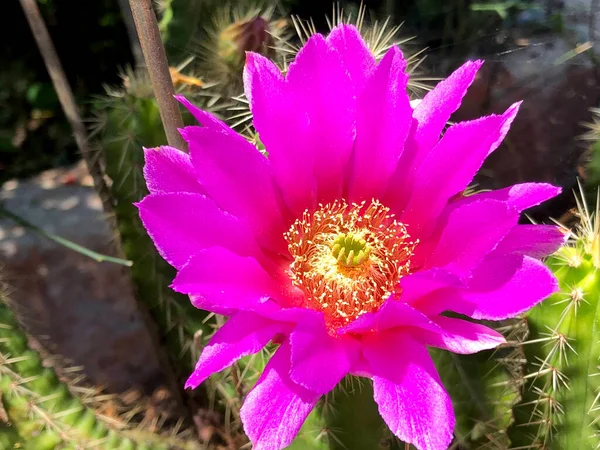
x,y
69,107
158,68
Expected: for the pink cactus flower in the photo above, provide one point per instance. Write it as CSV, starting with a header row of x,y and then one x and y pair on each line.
x,y
350,240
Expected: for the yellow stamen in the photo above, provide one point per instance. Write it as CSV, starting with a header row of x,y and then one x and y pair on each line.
x,y
348,259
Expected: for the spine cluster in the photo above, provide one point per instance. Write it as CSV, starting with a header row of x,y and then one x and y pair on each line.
x,y
560,408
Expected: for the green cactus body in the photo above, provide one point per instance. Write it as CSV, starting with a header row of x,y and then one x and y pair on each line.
x,y
561,396
483,392
234,29
346,419
9,436
593,166
41,412
127,121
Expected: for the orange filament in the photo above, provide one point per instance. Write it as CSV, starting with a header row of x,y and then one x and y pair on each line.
x,y
348,259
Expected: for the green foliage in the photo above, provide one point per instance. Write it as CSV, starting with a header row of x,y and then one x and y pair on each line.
x,y
452,27
166,13
561,397
31,120
503,9
179,22
41,413
61,240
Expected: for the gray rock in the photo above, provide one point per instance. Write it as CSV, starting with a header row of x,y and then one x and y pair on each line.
x,y
84,309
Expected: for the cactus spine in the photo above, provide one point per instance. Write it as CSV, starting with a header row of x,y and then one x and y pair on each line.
x,y
126,121
40,412
561,398
592,137
233,30
483,387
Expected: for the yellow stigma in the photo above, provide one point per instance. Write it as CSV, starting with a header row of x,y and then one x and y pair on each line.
x,y
348,259
350,250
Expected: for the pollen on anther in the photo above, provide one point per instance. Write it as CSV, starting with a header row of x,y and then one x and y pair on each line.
x,y
348,259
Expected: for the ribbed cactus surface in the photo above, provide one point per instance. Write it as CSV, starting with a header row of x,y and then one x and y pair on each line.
x,y
127,120
346,419
40,412
561,395
483,387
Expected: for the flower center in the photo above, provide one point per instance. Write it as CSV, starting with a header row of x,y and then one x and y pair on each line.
x,y
350,250
348,259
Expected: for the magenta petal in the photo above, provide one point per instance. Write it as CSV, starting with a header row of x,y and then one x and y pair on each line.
x,y
502,287
323,92
311,112
356,56
242,335
450,167
471,232
434,111
383,121
408,390
168,169
520,196
537,241
262,78
460,336
276,408
393,314
430,117
205,118
277,116
239,179
221,281
313,349
183,224
419,284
